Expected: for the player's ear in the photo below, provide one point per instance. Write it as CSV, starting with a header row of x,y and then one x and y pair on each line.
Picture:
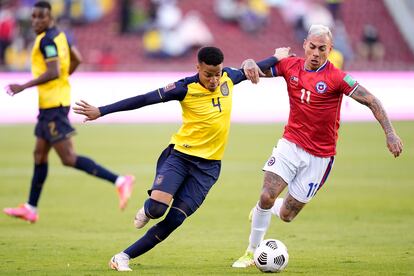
x,y
304,43
198,67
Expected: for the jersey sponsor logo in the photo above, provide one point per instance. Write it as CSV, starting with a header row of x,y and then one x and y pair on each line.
x,y
349,80
294,80
271,161
224,89
50,51
321,87
169,87
198,95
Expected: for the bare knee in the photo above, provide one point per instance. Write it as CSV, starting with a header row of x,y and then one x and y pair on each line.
x,y
286,217
266,200
39,156
273,185
68,160
290,208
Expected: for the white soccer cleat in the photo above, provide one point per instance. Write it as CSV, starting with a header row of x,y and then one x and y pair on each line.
x,y
244,261
141,219
120,262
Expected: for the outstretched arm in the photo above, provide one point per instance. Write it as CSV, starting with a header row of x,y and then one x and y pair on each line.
x,y
254,71
363,96
92,113
173,91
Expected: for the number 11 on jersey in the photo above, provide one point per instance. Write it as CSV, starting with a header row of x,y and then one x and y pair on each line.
x,y
302,97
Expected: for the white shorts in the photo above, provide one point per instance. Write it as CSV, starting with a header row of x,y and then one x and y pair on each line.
x,y
304,172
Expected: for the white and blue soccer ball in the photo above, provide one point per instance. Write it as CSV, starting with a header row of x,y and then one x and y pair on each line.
x,y
271,256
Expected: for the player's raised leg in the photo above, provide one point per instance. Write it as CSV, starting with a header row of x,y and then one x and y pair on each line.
x,y
124,184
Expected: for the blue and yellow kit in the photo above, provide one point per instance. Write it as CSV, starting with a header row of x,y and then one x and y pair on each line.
x,y
205,114
52,45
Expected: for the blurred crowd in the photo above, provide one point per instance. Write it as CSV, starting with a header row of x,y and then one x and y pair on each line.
x,y
167,32
16,35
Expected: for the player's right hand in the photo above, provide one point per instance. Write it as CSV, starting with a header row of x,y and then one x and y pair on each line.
x,y
89,111
13,89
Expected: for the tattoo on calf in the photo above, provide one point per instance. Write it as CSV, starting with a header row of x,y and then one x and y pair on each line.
x,y
292,206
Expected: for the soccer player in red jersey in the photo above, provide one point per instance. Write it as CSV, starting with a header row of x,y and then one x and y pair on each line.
x,y
305,154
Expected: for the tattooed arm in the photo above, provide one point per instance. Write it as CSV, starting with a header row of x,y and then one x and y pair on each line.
x,y
363,96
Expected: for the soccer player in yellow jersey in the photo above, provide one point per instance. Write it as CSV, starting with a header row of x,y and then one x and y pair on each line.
x,y
190,165
53,60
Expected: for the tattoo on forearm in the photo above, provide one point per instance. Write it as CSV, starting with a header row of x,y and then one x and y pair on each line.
x,y
364,97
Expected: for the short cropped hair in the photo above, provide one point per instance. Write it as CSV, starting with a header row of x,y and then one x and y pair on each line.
x,y
210,56
319,30
43,4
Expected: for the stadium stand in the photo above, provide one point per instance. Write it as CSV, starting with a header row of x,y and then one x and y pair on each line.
x,y
94,38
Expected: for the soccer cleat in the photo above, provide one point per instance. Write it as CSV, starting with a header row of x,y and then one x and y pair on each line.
x,y
244,261
125,191
141,219
23,213
120,262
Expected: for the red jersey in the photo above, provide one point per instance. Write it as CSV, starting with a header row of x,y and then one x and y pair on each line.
x,y
315,102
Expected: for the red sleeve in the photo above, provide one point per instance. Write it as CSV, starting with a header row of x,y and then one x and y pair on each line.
x,y
279,69
346,84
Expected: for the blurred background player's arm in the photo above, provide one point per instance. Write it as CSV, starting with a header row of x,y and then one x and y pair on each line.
x,y
52,72
75,59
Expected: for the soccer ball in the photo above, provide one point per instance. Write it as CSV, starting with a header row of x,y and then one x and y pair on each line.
x,y
271,256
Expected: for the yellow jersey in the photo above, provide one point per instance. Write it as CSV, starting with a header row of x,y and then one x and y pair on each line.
x,y
205,114
50,45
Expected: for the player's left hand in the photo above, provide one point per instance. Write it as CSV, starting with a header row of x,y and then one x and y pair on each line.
x,y
13,89
282,52
252,71
394,144
89,111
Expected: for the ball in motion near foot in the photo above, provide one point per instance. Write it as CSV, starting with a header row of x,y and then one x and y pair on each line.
x,y
271,256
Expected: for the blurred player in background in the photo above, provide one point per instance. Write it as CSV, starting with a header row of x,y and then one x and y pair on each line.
x,y
304,156
190,165
53,60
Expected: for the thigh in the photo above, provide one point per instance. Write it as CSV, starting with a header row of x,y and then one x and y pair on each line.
x,y
41,151
273,185
203,175
311,175
171,173
284,161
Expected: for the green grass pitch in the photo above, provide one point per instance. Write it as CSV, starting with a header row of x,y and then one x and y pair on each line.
x,y
360,223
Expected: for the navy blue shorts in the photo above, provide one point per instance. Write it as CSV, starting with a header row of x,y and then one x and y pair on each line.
x,y
187,178
53,124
